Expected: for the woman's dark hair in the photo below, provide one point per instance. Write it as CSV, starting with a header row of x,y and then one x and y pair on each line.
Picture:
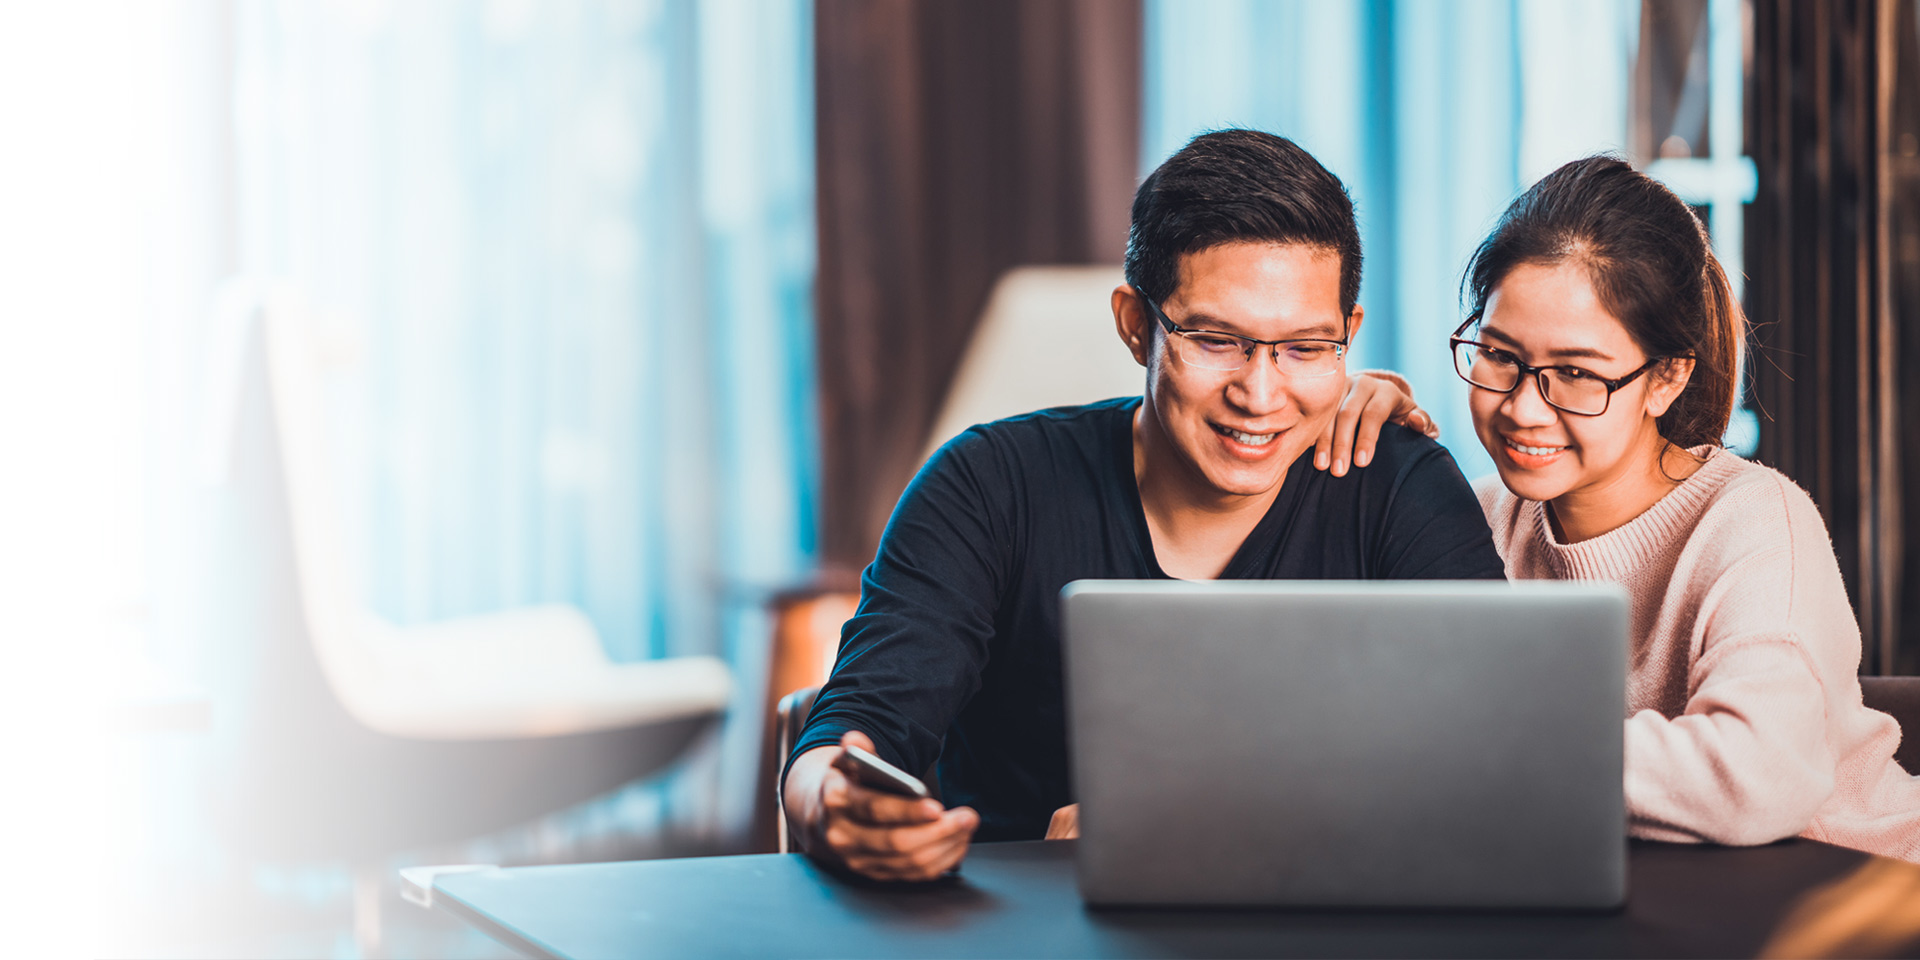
x,y
1232,186
1651,266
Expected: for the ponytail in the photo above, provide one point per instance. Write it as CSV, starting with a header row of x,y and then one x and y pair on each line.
x,y
1699,416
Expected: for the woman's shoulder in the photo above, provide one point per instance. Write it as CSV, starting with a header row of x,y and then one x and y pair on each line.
x,y
1751,509
1744,495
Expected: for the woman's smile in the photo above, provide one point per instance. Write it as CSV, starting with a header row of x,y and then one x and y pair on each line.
x,y
1532,456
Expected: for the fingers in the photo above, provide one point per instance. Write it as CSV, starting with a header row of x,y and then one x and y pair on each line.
x,y
1065,824
854,738
1408,414
920,852
1362,392
924,863
1323,447
844,796
841,792
1422,421
1373,399
1379,409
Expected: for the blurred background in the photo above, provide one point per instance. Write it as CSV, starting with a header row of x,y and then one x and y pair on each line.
x,y
440,431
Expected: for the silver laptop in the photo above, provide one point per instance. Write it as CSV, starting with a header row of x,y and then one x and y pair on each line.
x,y
1351,744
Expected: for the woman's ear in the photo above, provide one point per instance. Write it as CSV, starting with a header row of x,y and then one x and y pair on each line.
x,y
1131,322
1667,381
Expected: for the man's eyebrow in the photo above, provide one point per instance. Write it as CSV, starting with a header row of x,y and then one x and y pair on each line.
x,y
1313,331
1564,353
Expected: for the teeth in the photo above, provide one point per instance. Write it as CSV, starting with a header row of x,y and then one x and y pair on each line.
x,y
1534,451
1252,439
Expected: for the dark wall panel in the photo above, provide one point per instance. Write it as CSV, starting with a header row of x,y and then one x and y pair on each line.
x,y
1824,326
956,140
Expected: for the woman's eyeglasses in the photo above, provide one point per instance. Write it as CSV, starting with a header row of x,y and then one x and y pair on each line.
x,y
1572,389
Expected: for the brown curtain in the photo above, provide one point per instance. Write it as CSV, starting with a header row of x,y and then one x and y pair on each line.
x,y
956,140
1830,95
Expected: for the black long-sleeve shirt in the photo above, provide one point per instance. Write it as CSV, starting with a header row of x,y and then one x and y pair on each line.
x,y
954,652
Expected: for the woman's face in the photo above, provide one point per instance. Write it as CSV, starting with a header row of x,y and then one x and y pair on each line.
x,y
1550,316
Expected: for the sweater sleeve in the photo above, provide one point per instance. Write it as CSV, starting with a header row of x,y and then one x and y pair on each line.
x,y
1752,758
1748,761
912,655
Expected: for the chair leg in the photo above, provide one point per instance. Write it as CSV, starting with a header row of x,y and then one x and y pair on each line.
x,y
366,912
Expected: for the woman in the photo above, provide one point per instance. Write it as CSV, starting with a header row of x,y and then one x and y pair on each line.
x,y
1602,349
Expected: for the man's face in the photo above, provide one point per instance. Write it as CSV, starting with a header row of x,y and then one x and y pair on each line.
x,y
1236,432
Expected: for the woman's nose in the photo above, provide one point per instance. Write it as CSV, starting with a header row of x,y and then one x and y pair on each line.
x,y
1527,405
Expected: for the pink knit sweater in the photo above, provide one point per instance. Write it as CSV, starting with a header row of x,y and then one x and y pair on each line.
x,y
1744,720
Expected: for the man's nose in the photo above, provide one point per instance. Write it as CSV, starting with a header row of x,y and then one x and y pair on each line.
x,y
1262,385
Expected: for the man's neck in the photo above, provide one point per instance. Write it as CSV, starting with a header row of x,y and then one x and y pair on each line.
x,y
1196,529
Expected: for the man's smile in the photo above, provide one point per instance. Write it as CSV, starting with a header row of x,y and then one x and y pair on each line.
x,y
1250,439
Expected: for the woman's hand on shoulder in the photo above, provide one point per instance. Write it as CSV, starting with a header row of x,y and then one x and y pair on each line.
x,y
1374,398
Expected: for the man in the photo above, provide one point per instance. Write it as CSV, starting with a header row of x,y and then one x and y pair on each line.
x,y
1243,267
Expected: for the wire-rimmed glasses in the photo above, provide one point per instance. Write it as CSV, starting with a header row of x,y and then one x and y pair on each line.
x,y
1576,390
1212,350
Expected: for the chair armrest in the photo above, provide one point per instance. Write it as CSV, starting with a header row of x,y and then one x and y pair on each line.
x,y
531,672
790,718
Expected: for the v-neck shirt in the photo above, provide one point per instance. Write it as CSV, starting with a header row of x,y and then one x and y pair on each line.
x,y
954,653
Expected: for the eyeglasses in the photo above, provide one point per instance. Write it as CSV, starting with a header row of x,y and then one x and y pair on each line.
x,y
1572,389
1211,350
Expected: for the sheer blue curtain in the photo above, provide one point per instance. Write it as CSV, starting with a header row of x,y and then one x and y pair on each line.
x,y
570,246
1422,108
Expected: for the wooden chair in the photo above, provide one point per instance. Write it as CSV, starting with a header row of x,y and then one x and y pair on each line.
x,y
1899,697
789,719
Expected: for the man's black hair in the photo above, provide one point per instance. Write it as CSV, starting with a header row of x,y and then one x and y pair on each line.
x,y
1232,186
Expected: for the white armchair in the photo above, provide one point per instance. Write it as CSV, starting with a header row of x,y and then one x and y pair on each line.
x,y
363,738
1046,339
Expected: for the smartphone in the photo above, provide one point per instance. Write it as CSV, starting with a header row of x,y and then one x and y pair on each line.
x,y
871,771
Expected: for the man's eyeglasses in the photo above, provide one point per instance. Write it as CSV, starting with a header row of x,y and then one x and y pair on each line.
x,y
1572,389
1212,350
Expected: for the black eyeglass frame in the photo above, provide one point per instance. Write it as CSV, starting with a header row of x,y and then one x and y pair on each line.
x,y
1249,344
1540,373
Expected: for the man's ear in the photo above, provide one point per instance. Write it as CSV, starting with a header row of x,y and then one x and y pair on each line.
x,y
1668,379
1353,324
1130,320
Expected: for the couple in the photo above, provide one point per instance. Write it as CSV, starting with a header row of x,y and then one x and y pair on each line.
x,y
1601,351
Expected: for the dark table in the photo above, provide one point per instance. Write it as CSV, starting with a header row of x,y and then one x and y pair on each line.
x,y
1019,899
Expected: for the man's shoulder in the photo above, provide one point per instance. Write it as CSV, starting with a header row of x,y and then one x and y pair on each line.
x,y
1069,419
1055,449
1087,424
1401,448
1410,468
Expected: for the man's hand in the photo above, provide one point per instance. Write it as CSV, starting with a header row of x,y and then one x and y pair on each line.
x,y
1065,824
1374,397
869,832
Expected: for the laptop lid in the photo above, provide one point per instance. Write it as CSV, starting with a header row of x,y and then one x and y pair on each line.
x,y
1331,743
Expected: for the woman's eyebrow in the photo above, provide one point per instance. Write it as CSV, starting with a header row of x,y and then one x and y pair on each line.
x,y
1563,353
